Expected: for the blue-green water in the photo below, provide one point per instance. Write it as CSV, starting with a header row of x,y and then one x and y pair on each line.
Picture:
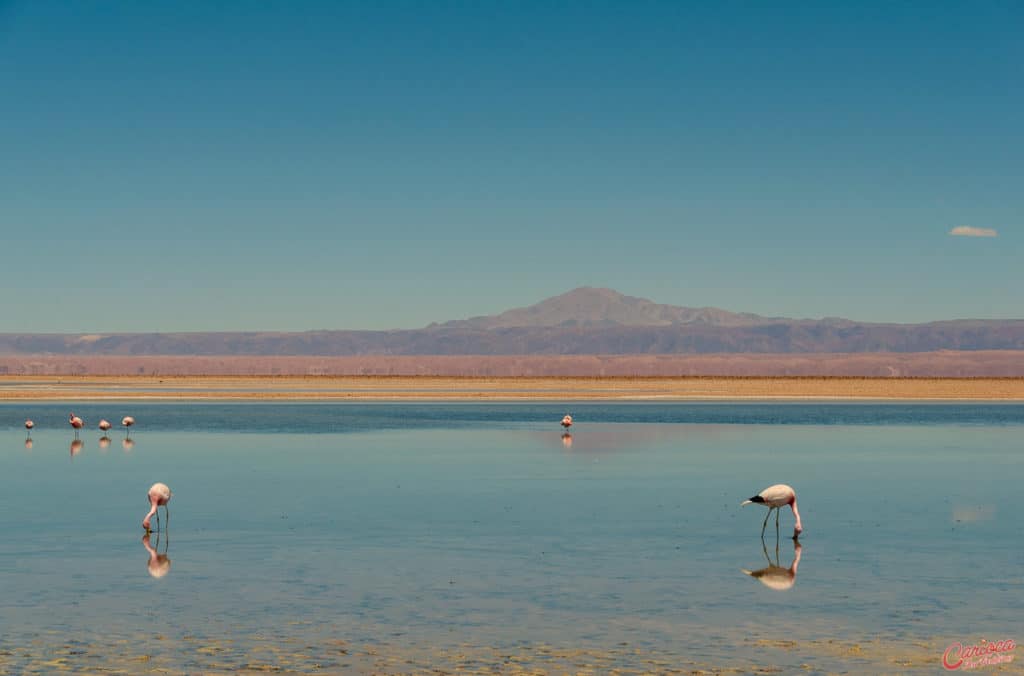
x,y
477,528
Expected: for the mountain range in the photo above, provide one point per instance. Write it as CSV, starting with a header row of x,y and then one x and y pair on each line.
x,y
583,321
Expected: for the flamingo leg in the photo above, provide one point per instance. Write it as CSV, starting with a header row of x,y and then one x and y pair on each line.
x,y
765,524
167,518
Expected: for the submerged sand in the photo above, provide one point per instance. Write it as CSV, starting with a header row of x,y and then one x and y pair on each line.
x,y
430,388
747,652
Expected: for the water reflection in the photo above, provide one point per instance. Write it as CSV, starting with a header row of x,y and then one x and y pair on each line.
x,y
567,440
773,575
76,447
29,443
158,564
127,444
104,442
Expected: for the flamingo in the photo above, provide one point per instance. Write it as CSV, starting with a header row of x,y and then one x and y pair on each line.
x,y
75,422
29,425
159,494
774,498
127,422
567,422
104,425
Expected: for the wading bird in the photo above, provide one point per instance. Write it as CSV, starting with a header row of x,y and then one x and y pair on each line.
x,y
127,422
75,422
774,498
567,422
104,425
29,425
159,494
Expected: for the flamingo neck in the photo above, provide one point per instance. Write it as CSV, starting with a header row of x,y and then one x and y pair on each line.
x,y
152,511
798,528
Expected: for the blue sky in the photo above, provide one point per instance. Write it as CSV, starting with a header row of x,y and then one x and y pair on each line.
x,y
280,165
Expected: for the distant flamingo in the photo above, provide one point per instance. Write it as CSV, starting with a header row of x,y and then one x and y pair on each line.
x,y
104,425
75,422
774,498
29,425
159,494
567,422
127,422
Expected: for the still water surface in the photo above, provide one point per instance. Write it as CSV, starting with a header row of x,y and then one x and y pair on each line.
x,y
359,537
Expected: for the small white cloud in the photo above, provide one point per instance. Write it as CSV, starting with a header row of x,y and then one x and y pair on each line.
x,y
971,231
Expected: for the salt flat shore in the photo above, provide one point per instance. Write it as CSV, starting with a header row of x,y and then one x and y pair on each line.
x,y
434,388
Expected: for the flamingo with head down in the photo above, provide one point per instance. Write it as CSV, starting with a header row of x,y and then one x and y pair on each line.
x,y
775,498
159,495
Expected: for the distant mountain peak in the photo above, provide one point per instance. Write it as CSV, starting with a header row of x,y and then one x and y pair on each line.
x,y
589,306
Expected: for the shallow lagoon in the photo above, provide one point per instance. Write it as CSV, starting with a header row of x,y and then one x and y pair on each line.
x,y
336,538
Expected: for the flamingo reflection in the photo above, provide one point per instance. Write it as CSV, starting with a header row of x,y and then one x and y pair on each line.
x,y
567,440
775,576
29,443
104,442
76,447
158,564
127,444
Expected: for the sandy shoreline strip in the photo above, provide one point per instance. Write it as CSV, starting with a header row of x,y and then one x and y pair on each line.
x,y
434,388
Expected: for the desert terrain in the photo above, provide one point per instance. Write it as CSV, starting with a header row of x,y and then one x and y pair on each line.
x,y
427,388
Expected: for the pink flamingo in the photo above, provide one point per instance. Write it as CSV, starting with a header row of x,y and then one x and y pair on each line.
x,y
127,422
75,422
774,498
29,425
159,494
104,425
567,422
